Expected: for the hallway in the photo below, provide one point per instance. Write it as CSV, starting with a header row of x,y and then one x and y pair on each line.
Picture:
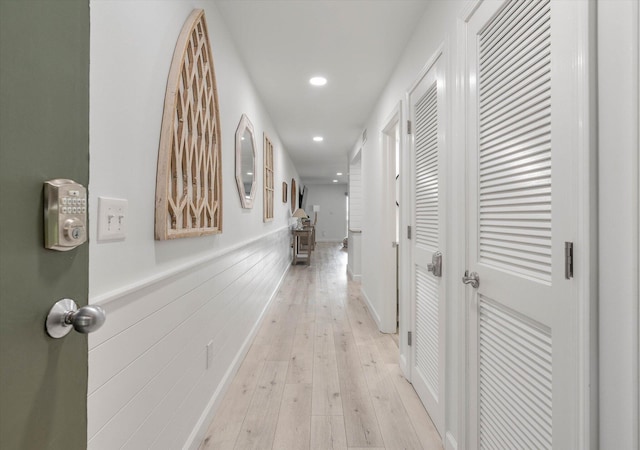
x,y
319,375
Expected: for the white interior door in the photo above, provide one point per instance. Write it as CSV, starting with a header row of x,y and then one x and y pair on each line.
x,y
427,289
522,146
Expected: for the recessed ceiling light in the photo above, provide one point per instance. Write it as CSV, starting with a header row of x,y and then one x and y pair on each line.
x,y
335,181
318,138
318,81
339,173
249,173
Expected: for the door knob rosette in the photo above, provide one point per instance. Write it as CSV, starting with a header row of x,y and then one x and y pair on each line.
x,y
65,315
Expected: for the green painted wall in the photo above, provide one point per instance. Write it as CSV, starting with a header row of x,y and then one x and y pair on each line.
x,y
44,134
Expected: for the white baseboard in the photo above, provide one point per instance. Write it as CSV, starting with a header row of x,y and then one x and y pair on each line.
x,y
372,310
404,367
352,276
200,429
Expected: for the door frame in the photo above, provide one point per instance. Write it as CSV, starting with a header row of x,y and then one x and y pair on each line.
x,y
583,98
388,313
636,351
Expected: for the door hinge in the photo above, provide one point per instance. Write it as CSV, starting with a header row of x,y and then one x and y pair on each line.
x,y
409,232
568,260
408,127
409,337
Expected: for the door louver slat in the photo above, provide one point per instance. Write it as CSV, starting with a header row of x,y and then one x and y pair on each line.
x,y
515,380
427,328
511,15
426,148
515,135
523,35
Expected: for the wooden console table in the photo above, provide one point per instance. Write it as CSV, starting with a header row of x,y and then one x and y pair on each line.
x,y
302,252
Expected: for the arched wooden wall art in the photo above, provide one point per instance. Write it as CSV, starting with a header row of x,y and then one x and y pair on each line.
x,y
189,180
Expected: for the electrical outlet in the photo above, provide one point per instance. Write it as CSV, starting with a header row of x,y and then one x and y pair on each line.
x,y
112,218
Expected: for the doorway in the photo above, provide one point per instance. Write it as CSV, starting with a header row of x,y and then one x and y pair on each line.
x,y
391,145
354,227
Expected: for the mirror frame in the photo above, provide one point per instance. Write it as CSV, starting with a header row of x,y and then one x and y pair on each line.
x,y
245,125
294,191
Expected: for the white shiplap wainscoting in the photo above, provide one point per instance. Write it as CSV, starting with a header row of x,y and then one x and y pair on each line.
x,y
152,382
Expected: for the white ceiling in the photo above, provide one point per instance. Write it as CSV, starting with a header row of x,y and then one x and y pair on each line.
x,y
355,44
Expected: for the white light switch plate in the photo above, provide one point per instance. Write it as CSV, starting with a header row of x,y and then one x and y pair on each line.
x,y
112,218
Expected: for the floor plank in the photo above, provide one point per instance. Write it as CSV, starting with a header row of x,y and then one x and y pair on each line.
x,y
328,433
301,359
224,428
422,424
320,375
259,425
395,424
327,399
293,430
359,416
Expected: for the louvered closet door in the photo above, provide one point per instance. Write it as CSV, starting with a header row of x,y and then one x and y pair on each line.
x,y
427,362
523,338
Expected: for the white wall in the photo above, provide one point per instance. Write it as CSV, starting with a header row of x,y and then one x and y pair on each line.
x,y
132,45
165,300
332,218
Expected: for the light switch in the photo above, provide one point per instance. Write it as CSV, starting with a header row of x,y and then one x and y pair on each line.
x,y
112,218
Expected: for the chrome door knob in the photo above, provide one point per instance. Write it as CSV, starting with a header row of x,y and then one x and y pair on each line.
x,y
65,315
87,319
473,279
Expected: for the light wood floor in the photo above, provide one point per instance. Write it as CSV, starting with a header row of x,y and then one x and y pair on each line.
x,y
319,374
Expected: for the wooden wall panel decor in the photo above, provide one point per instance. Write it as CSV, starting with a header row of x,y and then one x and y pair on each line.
x,y
269,186
189,179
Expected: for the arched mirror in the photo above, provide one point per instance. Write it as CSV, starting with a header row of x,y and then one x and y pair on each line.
x,y
246,162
